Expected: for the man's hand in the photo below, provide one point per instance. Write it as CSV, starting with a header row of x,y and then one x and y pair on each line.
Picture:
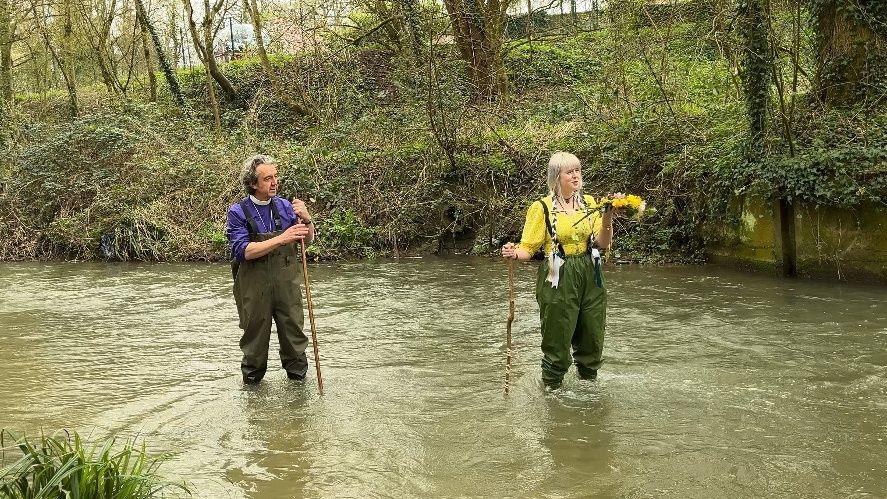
x,y
295,233
301,210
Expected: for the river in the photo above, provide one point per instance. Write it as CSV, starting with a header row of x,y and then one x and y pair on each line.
x,y
717,383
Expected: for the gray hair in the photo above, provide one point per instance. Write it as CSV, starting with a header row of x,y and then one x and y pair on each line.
x,y
558,162
248,173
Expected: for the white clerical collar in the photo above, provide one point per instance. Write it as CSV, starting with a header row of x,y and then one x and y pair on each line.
x,y
260,203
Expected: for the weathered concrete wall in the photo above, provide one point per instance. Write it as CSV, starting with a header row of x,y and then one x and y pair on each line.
x,y
829,242
842,243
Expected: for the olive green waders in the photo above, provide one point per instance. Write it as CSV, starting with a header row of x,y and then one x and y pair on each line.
x,y
266,288
573,314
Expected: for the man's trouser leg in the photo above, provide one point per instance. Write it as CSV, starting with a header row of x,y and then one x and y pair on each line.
x,y
255,319
559,313
588,340
290,319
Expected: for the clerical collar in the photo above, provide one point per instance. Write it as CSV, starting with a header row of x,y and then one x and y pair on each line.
x,y
260,203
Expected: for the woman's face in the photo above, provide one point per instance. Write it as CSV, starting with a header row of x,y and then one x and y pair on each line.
x,y
570,180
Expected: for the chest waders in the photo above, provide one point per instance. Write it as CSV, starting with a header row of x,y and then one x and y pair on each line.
x,y
573,314
266,288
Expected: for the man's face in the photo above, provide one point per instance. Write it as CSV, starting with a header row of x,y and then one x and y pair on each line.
x,y
267,183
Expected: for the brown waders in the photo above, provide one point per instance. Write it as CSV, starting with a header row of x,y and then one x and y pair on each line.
x,y
573,314
268,287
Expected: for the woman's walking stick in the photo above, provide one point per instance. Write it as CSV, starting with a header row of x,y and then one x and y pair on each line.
x,y
311,316
508,326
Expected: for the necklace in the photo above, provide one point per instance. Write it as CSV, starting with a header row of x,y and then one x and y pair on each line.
x,y
261,219
563,202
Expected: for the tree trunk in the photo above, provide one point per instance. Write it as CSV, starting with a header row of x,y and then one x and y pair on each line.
x,y
851,50
478,32
306,106
149,68
168,73
178,42
6,36
214,103
411,23
574,16
203,43
64,60
757,71
210,61
392,29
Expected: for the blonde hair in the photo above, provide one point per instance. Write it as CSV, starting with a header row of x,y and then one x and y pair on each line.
x,y
556,164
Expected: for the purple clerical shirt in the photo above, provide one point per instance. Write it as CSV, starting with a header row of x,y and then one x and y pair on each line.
x,y
237,231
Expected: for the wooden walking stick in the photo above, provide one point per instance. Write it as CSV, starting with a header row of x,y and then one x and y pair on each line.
x,y
311,317
508,324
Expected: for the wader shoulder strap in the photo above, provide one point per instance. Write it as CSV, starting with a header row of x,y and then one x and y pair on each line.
x,y
547,217
250,222
275,217
551,233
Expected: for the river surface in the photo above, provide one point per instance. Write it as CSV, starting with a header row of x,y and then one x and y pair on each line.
x,y
717,383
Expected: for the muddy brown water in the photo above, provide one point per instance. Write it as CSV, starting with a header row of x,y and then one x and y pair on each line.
x,y
717,383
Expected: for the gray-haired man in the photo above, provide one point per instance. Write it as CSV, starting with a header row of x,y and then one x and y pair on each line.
x,y
262,231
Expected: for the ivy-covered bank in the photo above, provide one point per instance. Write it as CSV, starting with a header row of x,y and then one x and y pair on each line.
x,y
399,163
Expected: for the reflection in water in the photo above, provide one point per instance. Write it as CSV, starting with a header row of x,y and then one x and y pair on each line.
x,y
716,383
576,435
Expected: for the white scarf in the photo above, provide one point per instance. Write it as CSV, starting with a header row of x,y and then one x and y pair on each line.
x,y
554,260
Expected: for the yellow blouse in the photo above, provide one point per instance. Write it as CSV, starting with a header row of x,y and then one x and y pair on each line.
x,y
574,239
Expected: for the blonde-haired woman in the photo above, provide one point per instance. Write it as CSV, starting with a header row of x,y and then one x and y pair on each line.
x,y
570,285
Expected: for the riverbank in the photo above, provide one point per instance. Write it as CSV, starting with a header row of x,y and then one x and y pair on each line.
x,y
391,169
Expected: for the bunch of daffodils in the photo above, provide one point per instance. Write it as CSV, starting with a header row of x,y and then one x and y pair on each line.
x,y
633,206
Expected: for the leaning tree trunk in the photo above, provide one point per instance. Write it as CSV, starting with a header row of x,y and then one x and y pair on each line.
x,y
206,46
203,42
478,32
162,60
851,49
205,53
212,65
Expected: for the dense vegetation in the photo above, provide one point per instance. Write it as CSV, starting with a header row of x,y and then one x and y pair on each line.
x,y
402,143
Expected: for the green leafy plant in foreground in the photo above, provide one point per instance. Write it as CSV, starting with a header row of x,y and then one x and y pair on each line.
x,y
66,466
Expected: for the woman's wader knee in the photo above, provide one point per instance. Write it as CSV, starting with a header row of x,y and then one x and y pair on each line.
x,y
266,288
572,315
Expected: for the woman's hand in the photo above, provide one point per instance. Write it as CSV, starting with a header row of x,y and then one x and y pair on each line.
x,y
509,251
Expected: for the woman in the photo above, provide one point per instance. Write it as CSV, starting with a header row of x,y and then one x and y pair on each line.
x,y
569,287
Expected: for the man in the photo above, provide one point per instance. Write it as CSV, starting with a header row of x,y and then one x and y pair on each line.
x,y
263,233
